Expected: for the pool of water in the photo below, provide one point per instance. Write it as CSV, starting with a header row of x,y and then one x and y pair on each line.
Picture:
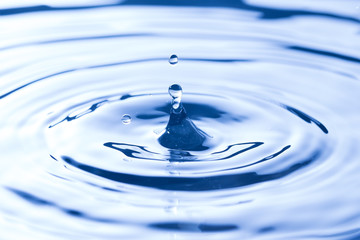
x,y
273,87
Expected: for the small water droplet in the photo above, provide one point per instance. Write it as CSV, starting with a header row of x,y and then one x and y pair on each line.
x,y
175,91
126,119
173,59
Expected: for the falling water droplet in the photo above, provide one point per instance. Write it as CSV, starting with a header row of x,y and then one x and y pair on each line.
x,y
175,92
173,59
126,119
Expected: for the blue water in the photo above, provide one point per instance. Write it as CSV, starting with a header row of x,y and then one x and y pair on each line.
x,y
270,87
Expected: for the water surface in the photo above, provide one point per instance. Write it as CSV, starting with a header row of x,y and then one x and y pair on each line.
x,y
83,98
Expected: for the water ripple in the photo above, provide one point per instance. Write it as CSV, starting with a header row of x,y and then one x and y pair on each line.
x,y
274,90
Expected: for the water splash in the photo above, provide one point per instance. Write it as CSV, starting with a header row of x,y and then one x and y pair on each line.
x,y
181,133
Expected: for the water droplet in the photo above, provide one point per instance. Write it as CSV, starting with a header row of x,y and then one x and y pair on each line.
x,y
175,103
126,119
175,91
173,59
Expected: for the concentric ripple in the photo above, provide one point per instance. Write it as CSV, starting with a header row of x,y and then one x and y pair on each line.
x,y
83,98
